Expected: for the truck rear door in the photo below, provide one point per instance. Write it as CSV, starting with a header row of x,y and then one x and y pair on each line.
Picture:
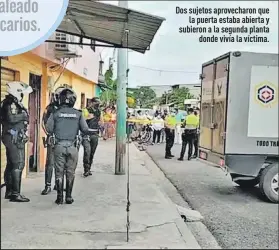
x,y
206,101
219,103
213,104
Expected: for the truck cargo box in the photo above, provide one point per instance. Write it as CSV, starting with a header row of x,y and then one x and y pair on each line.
x,y
239,118
239,104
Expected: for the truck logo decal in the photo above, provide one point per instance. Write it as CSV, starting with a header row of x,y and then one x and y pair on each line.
x,y
266,94
219,88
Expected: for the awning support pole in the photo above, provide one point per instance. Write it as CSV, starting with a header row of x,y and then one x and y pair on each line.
x,y
121,107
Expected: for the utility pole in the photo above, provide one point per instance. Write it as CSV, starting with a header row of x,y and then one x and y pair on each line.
x,y
121,105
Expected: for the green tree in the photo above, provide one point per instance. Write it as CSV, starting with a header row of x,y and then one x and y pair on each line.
x,y
109,95
145,95
177,97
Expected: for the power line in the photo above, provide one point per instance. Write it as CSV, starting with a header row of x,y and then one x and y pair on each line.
x,y
167,71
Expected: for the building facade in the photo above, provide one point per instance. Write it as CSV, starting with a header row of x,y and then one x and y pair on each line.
x,y
44,69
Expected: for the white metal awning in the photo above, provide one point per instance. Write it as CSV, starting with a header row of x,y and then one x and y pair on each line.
x,y
107,24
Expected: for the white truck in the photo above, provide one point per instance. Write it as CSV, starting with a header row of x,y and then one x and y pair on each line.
x,y
192,103
239,118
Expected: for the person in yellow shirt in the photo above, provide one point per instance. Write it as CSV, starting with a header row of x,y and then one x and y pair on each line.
x,y
113,120
107,123
170,123
189,134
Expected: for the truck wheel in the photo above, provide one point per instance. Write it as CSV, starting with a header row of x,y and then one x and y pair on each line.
x,y
247,183
269,183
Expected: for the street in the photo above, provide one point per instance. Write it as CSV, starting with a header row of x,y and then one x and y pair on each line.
x,y
237,218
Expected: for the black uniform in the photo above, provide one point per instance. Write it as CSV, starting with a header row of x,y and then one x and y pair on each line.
x,y
169,142
188,137
66,148
90,142
14,119
50,109
196,144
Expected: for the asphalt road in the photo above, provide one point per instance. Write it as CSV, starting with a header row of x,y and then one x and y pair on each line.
x,y
237,218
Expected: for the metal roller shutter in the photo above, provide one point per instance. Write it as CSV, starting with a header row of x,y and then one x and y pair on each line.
x,y
6,76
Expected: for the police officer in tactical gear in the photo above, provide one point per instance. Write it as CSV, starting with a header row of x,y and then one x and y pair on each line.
x,y
49,142
189,134
65,125
170,123
90,142
14,120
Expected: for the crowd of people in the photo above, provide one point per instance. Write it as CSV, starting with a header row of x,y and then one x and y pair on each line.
x,y
169,127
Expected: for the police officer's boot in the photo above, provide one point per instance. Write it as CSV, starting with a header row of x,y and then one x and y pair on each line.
x,y
16,181
8,193
48,176
86,170
89,171
9,187
69,189
8,182
59,186
46,191
168,154
181,158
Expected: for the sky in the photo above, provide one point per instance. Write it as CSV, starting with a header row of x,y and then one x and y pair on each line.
x,y
173,51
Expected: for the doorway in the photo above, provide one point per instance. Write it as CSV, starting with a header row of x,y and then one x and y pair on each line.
x,y
34,108
82,100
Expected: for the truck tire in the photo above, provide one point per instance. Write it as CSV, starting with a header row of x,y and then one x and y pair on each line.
x,y
247,183
269,182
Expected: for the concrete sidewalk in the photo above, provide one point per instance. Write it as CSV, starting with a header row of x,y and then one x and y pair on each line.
x,y
97,218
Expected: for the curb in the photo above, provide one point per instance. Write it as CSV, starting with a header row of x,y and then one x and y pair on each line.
x,y
182,227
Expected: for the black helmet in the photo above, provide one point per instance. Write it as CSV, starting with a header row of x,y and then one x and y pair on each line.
x,y
57,93
96,102
55,96
68,97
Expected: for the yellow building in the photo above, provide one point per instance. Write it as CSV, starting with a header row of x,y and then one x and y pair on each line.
x,y
44,76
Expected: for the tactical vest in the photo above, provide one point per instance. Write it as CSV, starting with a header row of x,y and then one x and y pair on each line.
x,y
93,123
67,122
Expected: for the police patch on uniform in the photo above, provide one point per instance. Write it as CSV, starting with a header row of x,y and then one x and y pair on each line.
x,y
65,115
13,109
